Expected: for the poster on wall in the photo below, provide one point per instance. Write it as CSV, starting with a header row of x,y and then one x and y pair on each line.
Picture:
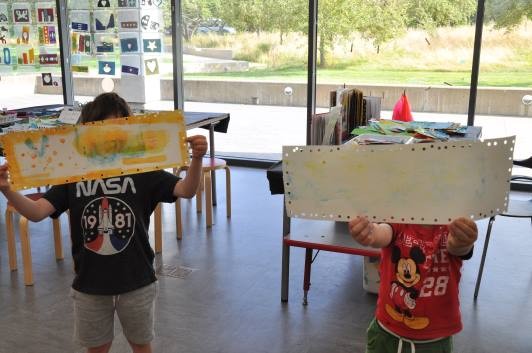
x,y
45,13
97,150
151,66
130,65
128,3
25,55
78,4
104,21
129,42
128,20
49,59
4,14
6,56
80,20
152,43
151,21
106,67
47,35
4,33
102,4
151,4
21,12
81,43
23,34
104,42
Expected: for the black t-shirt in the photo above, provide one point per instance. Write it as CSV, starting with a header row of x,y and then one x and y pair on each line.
x,y
109,221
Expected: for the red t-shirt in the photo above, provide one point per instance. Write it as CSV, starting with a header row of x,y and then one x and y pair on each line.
x,y
418,294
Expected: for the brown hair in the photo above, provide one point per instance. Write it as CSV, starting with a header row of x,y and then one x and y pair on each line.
x,y
104,106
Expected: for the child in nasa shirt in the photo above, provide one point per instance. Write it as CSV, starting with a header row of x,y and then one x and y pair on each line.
x,y
418,305
109,220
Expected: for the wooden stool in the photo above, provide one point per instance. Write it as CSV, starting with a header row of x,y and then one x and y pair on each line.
x,y
25,240
209,165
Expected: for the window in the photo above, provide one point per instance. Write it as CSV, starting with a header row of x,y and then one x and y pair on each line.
x,y
248,58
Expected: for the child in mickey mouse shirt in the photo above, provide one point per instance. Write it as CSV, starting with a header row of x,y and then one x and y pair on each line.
x,y
418,308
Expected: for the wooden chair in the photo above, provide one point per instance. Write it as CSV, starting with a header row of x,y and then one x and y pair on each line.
x,y
25,244
209,166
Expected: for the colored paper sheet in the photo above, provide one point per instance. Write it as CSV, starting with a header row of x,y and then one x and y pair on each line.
x,y
96,150
429,183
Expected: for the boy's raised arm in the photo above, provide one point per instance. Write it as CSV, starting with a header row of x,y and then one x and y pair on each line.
x,y
376,235
35,211
187,187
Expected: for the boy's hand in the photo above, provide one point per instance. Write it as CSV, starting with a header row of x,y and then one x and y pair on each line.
x,y
198,144
463,233
4,176
361,230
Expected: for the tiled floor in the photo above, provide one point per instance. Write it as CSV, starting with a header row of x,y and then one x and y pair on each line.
x,y
230,301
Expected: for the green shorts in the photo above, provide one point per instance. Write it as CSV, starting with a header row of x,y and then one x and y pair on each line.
x,y
380,341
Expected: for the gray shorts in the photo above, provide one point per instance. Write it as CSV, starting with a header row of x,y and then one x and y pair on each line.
x,y
94,316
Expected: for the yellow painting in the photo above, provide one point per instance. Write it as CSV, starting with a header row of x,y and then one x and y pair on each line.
x,y
94,150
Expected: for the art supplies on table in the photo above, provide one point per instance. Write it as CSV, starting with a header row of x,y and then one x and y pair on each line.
x,y
420,130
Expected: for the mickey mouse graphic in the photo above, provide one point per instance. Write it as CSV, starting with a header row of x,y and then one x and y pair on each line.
x,y
403,292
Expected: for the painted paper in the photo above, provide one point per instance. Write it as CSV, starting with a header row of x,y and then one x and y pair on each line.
x,y
45,14
4,14
128,3
103,21
151,66
106,67
95,150
79,20
152,45
128,20
129,42
429,183
151,21
130,65
104,42
21,13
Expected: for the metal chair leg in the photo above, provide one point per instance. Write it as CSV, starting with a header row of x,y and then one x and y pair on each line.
x,y
483,259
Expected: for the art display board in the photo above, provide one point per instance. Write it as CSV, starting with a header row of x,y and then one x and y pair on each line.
x,y
429,183
29,38
95,150
124,38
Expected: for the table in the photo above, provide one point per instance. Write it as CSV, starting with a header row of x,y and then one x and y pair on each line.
x,y
320,235
214,122
311,235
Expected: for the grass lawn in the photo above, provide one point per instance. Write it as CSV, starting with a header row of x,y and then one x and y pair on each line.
x,y
371,75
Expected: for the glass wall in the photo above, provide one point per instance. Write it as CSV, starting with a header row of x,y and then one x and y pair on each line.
x,y
30,72
504,103
248,58
423,49
122,45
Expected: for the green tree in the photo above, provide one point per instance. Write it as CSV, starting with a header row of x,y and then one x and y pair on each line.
x,y
429,14
285,16
335,19
245,15
508,13
197,11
